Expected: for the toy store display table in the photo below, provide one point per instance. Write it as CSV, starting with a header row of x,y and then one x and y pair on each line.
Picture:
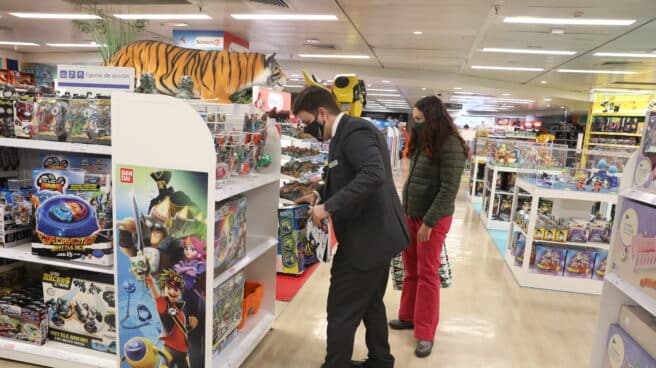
x,y
553,243
476,178
499,182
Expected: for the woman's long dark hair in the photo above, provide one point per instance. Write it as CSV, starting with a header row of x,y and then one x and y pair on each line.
x,y
437,128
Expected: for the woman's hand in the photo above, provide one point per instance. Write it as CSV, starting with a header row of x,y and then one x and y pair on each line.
x,y
424,233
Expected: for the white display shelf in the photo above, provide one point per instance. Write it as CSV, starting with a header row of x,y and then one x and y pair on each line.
x,y
255,328
637,295
55,354
257,246
640,196
602,246
566,194
241,184
23,252
56,146
494,224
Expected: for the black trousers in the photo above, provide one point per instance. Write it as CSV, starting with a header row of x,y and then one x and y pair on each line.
x,y
356,296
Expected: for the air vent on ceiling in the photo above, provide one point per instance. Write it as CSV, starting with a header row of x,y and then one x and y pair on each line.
x,y
135,2
322,46
620,63
635,83
278,3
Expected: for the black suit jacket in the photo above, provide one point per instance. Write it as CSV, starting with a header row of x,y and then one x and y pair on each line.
x,y
360,193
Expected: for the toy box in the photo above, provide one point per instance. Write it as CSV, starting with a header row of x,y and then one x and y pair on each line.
x,y
600,266
294,250
6,118
23,316
82,309
228,301
640,325
624,351
599,232
520,249
634,255
579,263
77,119
230,233
49,120
90,164
23,113
577,232
549,260
73,216
99,122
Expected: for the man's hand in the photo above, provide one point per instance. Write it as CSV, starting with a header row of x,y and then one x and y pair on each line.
x,y
310,199
424,233
193,322
318,213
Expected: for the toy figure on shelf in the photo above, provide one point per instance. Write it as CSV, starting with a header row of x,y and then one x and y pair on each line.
x,y
580,184
613,180
602,174
597,186
501,153
517,155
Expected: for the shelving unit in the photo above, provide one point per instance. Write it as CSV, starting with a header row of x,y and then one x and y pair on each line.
x,y
23,253
55,354
569,202
490,193
477,169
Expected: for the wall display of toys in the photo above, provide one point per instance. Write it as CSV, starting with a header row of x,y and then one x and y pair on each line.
x,y
229,233
563,261
73,209
505,153
16,79
81,309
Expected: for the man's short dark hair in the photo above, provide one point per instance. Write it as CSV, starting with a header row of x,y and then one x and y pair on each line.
x,y
312,98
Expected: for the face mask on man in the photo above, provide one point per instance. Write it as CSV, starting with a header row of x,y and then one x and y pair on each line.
x,y
315,129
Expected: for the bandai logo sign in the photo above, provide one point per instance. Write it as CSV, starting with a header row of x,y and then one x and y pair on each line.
x,y
127,176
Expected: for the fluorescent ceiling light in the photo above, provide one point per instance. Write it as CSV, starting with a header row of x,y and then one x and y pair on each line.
x,y
381,90
570,21
621,90
163,16
517,100
505,94
509,68
457,88
547,99
423,88
592,71
382,95
418,32
464,93
625,54
333,56
294,86
284,16
55,16
386,81
177,24
529,51
92,44
543,82
13,43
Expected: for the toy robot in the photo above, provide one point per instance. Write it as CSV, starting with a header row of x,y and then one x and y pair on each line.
x,y
349,91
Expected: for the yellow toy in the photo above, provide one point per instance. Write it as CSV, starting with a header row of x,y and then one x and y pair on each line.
x,y
349,91
142,353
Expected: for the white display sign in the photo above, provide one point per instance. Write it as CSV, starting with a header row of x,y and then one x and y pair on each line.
x,y
82,79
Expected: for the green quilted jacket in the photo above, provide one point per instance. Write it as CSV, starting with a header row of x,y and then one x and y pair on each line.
x,y
430,191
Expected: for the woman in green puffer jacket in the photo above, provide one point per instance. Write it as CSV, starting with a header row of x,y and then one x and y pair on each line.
x,y
438,154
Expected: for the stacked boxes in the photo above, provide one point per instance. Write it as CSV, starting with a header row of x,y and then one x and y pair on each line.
x,y
230,233
294,253
228,302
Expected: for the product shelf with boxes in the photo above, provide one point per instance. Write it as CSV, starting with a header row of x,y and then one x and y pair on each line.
x,y
477,169
626,328
161,191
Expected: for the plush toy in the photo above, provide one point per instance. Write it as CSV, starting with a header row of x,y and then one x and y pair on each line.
x,y
186,89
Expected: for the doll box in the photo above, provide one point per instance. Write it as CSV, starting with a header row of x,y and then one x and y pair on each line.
x,y
230,233
228,308
599,271
579,263
640,325
82,309
549,260
624,351
634,254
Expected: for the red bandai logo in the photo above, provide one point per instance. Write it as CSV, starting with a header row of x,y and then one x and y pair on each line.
x,y
127,176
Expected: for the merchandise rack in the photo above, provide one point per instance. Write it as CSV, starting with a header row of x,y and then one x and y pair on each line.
x,y
163,120
565,201
490,194
477,165
616,291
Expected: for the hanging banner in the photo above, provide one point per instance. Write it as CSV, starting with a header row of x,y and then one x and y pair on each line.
x,y
209,40
82,79
161,250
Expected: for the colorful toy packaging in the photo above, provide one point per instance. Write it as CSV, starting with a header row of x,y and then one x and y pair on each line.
x,y
579,263
549,260
645,172
634,255
295,252
230,233
90,164
99,123
23,114
228,301
73,216
77,119
49,120
600,266
640,325
23,316
15,217
624,351
6,118
82,309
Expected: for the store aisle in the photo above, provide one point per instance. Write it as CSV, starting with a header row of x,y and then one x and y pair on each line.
x,y
487,320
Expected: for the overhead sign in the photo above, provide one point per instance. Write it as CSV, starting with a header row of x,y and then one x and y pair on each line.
x,y
82,79
208,40
453,106
267,99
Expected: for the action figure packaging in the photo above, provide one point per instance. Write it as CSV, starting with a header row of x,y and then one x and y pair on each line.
x,y
292,239
90,164
49,120
230,233
549,260
579,263
228,305
24,317
99,128
77,120
73,214
82,309
7,118
23,113
15,217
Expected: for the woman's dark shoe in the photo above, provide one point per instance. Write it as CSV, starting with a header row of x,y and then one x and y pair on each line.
x,y
397,324
424,348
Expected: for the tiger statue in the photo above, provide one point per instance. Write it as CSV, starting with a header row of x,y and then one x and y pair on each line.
x,y
217,75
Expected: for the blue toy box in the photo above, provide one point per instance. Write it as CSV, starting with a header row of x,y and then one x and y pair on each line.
x,y
623,351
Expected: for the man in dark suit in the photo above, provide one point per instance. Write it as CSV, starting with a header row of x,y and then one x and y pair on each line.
x,y
360,196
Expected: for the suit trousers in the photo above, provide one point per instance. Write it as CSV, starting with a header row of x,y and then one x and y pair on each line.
x,y
420,299
356,296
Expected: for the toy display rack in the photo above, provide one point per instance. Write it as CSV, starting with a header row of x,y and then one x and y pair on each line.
x,y
477,165
487,216
167,122
565,203
616,291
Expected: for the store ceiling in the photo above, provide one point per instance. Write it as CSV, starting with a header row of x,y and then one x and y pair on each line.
x,y
454,32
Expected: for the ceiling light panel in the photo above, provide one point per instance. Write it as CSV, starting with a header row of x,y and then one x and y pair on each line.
x,y
83,45
529,51
592,71
625,54
15,43
381,90
313,17
333,56
55,16
163,16
570,21
507,68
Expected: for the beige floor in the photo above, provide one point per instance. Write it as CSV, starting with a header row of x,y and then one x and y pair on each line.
x,y
486,319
